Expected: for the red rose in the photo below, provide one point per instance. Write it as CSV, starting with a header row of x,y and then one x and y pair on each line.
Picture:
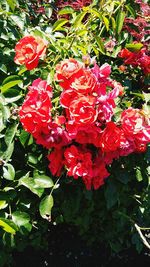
x,y
110,138
35,113
56,158
82,111
85,84
67,70
135,124
78,161
29,50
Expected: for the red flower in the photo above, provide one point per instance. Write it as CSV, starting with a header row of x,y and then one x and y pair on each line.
x,y
82,111
135,125
56,158
139,58
86,84
35,113
110,138
29,50
67,71
78,161
53,136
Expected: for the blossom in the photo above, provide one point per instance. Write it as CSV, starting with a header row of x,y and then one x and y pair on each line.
x,y
78,161
67,71
53,136
56,158
86,84
29,50
110,138
139,58
136,127
82,111
35,113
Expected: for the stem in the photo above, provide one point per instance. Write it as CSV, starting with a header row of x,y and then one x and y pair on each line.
x,y
142,236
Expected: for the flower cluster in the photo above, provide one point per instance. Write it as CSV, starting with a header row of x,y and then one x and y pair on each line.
x,y
81,134
139,58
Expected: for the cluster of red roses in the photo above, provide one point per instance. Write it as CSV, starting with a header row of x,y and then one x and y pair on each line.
x,y
139,58
80,133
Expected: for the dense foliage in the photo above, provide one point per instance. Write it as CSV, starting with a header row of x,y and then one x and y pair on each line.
x,y
106,45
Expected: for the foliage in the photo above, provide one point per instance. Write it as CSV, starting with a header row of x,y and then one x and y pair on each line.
x,y
28,191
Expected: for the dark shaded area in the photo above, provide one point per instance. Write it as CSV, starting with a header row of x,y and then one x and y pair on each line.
x,y
66,249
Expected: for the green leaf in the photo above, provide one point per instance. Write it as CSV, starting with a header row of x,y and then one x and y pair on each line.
x,y
8,226
8,172
66,10
9,85
119,21
78,20
43,181
45,207
30,184
131,10
12,99
10,133
139,175
24,137
20,218
3,68
134,47
100,44
58,24
3,204
12,4
106,22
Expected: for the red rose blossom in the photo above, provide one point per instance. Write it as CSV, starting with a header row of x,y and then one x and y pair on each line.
x,y
67,71
29,50
110,138
35,113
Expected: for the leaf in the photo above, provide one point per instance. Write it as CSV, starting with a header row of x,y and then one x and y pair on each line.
x,y
119,21
66,10
30,184
9,85
8,172
79,19
3,204
139,175
12,4
12,99
3,68
20,218
131,10
134,47
10,133
24,137
8,226
43,181
106,22
100,44
58,24
45,207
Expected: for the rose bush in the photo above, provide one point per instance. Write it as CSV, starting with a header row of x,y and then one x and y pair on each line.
x,y
74,122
